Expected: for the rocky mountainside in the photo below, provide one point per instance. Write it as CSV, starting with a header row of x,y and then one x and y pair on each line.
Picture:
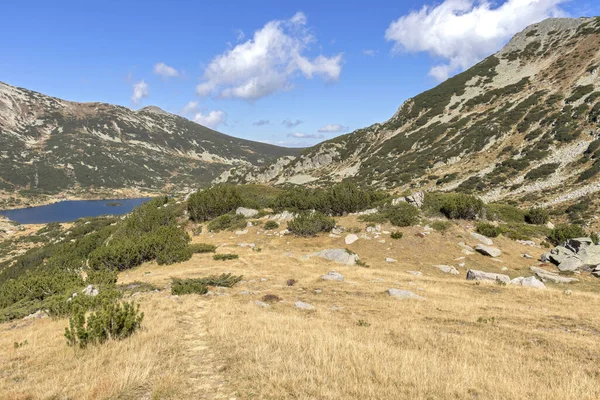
x,y
51,145
521,124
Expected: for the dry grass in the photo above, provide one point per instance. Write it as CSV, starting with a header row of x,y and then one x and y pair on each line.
x,y
465,341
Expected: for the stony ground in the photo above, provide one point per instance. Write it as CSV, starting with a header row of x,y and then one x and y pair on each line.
x,y
462,340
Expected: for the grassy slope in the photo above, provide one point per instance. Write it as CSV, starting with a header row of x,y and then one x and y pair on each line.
x,y
542,344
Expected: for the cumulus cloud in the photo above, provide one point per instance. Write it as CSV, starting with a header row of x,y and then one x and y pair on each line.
x,y
299,135
140,91
462,32
163,69
332,128
212,119
290,123
268,62
190,107
261,122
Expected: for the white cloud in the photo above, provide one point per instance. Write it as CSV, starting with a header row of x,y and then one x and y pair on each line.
x,y
261,122
290,123
163,69
190,107
240,35
368,52
299,135
212,119
140,90
332,128
267,63
462,32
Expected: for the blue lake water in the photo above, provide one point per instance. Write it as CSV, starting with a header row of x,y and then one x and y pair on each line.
x,y
71,210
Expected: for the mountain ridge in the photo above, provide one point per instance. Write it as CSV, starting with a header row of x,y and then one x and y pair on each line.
x,y
535,100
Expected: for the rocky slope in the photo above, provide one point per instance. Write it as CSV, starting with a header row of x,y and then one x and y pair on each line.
x,y
51,145
522,124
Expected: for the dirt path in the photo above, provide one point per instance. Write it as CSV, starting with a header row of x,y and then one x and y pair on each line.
x,y
203,377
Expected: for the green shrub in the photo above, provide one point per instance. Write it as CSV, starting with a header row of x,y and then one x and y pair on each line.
x,y
200,285
203,248
488,230
307,224
403,214
537,216
396,235
440,226
213,202
113,321
595,237
504,213
225,257
457,205
523,231
227,222
564,232
271,225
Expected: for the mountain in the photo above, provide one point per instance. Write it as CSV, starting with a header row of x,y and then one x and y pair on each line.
x,y
523,123
49,145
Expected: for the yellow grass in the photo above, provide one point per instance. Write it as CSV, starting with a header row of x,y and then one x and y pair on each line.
x,y
465,341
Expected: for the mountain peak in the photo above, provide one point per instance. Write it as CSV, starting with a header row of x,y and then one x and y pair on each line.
x,y
155,110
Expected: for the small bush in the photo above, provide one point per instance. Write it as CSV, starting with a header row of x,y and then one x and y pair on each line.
x,y
227,222
461,206
200,285
291,282
306,224
396,235
488,230
537,216
213,202
113,321
271,298
440,226
564,232
403,214
504,213
270,225
202,248
225,257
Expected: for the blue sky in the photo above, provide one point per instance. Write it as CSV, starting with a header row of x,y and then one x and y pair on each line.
x,y
291,73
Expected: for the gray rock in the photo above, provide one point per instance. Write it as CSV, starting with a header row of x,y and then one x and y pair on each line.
x,y
547,276
250,245
527,256
530,243
304,306
39,314
416,199
486,276
90,290
530,282
596,273
415,273
449,269
403,294
390,260
546,257
488,251
578,244
559,254
246,212
590,256
338,255
333,276
262,304
243,232
570,264
351,238
338,230
483,239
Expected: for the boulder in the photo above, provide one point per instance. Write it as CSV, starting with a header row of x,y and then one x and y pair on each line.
x,y
246,212
333,276
304,306
390,260
559,254
578,244
547,276
488,251
474,275
530,243
449,269
403,294
530,282
341,256
351,239
570,264
90,290
483,239
590,256
416,199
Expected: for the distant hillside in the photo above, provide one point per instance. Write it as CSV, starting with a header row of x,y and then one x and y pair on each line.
x,y
523,123
48,145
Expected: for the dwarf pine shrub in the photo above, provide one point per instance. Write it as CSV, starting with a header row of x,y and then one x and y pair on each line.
x,y
564,232
537,216
487,229
310,224
203,248
200,285
213,202
225,257
270,225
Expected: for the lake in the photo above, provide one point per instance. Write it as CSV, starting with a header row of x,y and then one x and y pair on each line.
x,y
70,210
